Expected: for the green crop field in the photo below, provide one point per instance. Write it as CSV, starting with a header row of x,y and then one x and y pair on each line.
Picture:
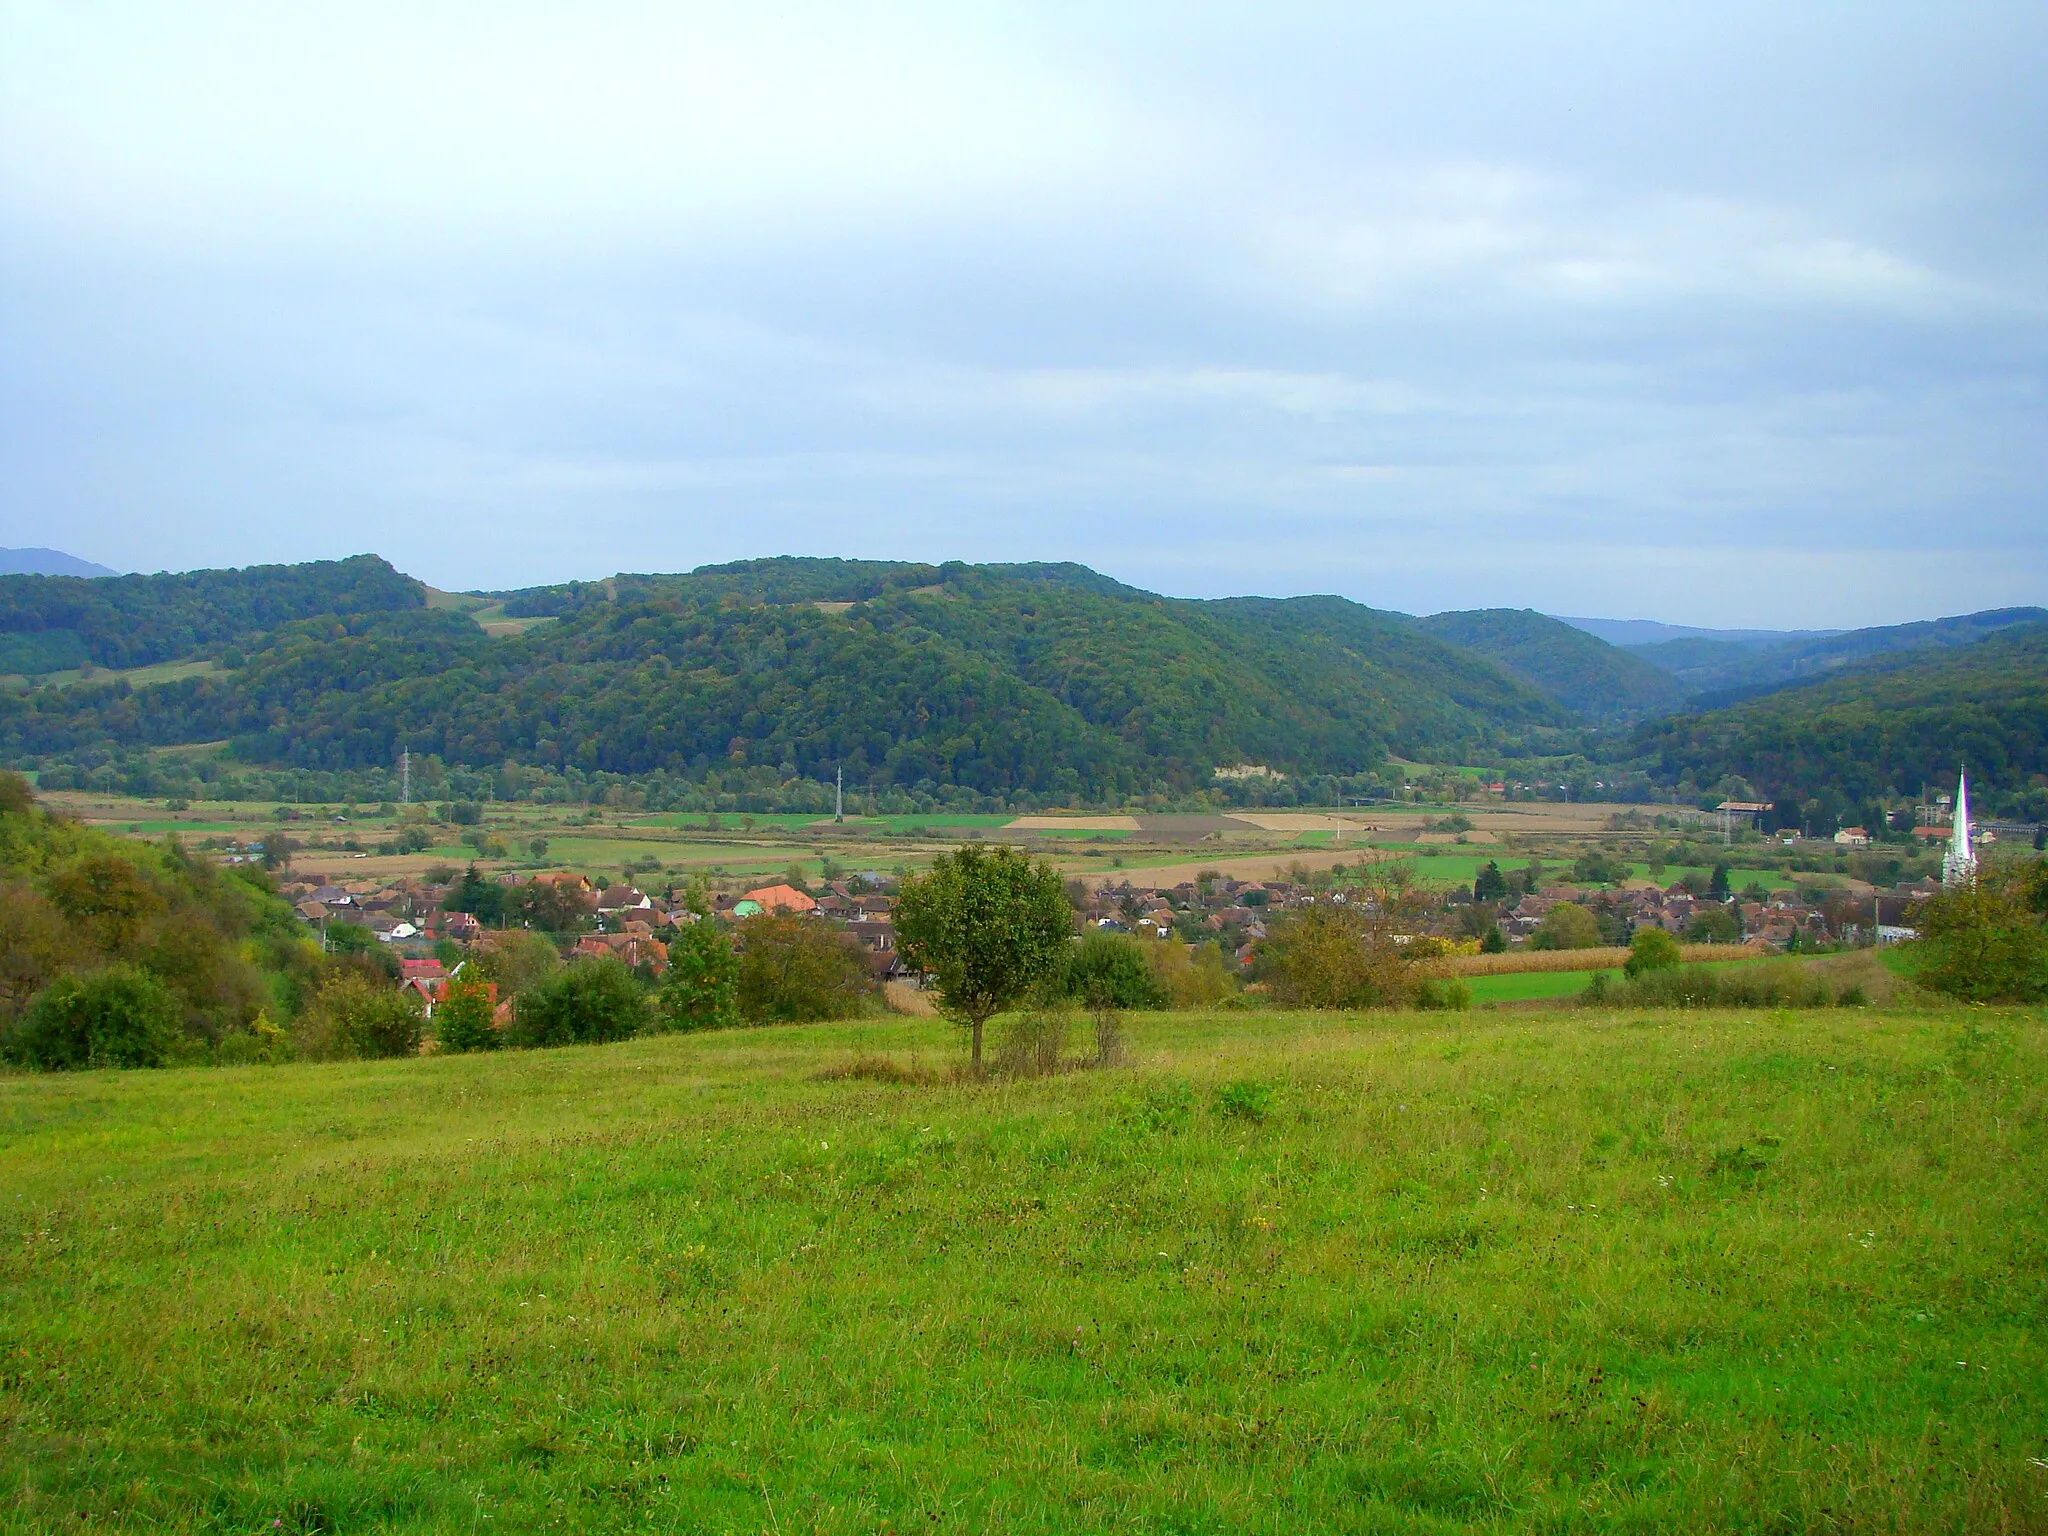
x,y
1539,1272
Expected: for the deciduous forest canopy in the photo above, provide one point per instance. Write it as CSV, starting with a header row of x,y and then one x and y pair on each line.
x,y
1049,683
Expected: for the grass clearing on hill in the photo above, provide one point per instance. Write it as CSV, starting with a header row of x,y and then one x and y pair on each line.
x,y
1568,1272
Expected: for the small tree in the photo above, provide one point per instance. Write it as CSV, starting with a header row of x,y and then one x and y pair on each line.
x,y
1717,886
116,1017
1986,941
1652,949
701,990
989,926
1567,926
517,961
462,1019
795,969
592,1002
1493,941
1112,970
368,1019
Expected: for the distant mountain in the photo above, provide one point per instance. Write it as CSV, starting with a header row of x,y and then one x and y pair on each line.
x,y
1720,671
1049,681
1595,680
1887,724
1636,632
48,562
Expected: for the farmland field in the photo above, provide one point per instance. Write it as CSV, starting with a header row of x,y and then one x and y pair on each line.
x,y
1555,1271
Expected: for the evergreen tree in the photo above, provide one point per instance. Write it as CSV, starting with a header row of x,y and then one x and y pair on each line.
x,y
1490,884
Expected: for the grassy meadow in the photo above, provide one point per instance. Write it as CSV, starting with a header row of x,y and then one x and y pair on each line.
x,y
1500,1272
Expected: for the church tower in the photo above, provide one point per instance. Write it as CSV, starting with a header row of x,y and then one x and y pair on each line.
x,y
1959,864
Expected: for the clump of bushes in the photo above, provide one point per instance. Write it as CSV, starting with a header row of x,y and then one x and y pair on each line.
x,y
1777,984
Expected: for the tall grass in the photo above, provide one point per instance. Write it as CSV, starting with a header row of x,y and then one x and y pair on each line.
x,y
1603,959
1708,1272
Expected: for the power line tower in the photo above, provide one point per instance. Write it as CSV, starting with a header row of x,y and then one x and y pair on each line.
x,y
839,795
405,776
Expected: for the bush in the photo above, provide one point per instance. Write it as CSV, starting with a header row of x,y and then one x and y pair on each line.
x,y
593,1001
368,1019
1446,993
796,970
1652,949
1327,956
1112,970
462,1020
701,990
1985,940
1567,926
116,1017
1777,984
1029,1044
1245,1099
517,961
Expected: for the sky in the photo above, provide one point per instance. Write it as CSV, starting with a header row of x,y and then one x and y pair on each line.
x,y
1730,315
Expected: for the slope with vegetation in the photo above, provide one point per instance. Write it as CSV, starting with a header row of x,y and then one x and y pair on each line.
x,y
1862,735
1047,681
1710,669
1598,682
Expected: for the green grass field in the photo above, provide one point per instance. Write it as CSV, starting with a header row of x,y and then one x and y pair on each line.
x,y
1526,986
1556,1272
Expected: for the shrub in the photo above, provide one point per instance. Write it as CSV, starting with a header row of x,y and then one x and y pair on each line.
x,y
1985,939
462,1020
1112,970
1652,949
1777,984
1446,993
1245,1099
517,961
701,989
1029,1044
795,970
368,1019
116,1017
590,1002
1567,926
1330,956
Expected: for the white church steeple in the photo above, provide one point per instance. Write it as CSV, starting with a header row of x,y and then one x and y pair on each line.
x,y
1959,864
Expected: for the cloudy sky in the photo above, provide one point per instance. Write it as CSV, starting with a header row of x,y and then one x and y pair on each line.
x,y
1731,314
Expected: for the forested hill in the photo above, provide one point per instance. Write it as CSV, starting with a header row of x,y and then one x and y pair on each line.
x,y
1891,726
1597,681
49,623
1051,681
1718,671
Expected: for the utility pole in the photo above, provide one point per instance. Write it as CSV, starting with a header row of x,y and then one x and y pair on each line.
x,y
839,795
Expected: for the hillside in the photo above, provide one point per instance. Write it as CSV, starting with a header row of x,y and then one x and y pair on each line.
x,y
48,562
1873,731
1708,1273
50,623
1715,671
1599,682
1045,681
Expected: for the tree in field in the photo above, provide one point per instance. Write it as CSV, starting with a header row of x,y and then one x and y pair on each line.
x,y
989,926
701,989
116,1017
462,1019
1567,926
1360,954
591,1002
795,969
369,1019
1652,949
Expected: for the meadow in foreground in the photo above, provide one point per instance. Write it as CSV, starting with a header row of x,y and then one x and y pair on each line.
x,y
1560,1272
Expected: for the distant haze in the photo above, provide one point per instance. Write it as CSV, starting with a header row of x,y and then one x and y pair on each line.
x,y
48,562
1729,315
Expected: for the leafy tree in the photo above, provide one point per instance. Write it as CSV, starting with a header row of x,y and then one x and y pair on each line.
x,y
462,1019
1597,867
517,960
1713,925
1490,885
1348,956
1652,949
592,1001
370,1019
1986,939
1111,970
989,925
701,989
548,906
116,1017
538,847
795,969
482,899
1567,926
